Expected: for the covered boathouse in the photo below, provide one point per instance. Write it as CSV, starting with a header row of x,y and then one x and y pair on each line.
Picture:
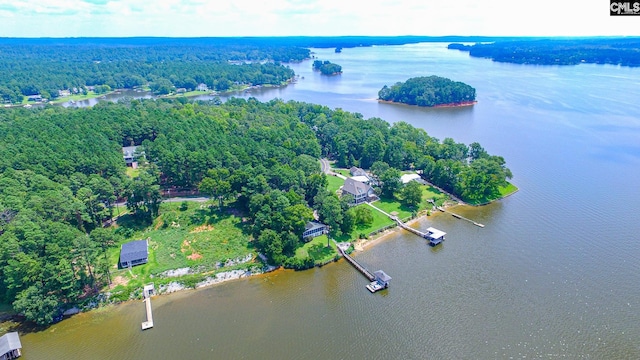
x,y
10,346
435,236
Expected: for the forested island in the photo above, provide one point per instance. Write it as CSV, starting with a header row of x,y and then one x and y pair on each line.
x,y
429,91
327,67
62,172
566,51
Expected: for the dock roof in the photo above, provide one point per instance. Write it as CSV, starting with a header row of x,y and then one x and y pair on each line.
x,y
435,233
9,342
382,275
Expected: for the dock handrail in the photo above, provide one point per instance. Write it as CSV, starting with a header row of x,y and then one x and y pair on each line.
x,y
356,265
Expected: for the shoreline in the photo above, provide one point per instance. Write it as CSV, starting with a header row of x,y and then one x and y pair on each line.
x,y
448,105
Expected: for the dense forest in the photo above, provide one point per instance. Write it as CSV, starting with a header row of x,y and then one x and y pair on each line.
x,y
62,170
327,67
568,51
428,91
45,69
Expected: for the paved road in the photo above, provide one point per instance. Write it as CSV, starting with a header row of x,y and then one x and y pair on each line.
x,y
324,163
181,199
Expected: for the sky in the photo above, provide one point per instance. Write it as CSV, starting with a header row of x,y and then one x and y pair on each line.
x,y
194,18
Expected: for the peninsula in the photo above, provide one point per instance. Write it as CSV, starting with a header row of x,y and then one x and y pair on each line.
x,y
429,91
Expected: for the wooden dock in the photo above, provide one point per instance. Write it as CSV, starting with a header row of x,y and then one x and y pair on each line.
x,y
147,292
356,265
410,229
459,216
149,323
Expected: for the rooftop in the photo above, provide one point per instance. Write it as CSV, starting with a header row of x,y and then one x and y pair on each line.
x,y
361,178
355,187
311,225
133,250
8,342
382,275
406,178
435,233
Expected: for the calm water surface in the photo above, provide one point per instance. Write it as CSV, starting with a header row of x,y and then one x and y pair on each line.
x,y
554,274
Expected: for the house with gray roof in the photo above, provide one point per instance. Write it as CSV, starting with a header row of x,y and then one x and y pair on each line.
x,y
134,253
10,346
360,191
313,229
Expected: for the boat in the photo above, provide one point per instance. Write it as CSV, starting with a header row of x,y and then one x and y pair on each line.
x,y
374,286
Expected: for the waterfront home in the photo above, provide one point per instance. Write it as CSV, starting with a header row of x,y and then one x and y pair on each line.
x,y
10,346
313,229
360,191
134,253
129,155
202,87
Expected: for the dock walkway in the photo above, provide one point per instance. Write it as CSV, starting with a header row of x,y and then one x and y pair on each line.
x,y
149,323
459,216
147,291
356,265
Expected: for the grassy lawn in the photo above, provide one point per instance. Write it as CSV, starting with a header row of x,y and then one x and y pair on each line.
x,y
334,183
379,221
187,94
391,206
344,172
131,172
199,238
89,95
318,250
431,193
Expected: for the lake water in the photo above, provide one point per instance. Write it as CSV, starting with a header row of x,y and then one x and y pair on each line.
x,y
554,274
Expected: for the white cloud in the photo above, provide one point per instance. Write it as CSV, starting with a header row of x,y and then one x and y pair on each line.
x,y
308,17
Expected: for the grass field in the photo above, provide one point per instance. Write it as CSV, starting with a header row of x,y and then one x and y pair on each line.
x,y
200,238
318,250
390,206
431,193
344,172
379,221
334,183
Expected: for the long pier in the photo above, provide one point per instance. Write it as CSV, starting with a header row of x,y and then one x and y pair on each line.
x,y
147,292
149,323
356,265
410,229
459,216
